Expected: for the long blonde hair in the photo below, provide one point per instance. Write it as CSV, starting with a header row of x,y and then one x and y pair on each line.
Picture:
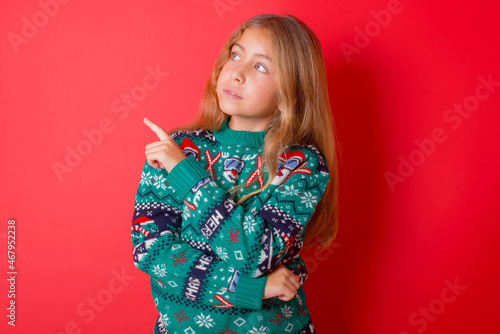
x,y
304,116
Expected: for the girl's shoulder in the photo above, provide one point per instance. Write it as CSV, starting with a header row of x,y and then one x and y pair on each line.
x,y
295,154
302,153
196,133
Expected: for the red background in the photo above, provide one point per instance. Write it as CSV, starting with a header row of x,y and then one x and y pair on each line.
x,y
396,248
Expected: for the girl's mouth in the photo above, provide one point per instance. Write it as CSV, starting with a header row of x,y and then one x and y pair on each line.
x,y
230,94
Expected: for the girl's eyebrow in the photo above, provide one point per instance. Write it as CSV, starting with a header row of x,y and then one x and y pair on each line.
x,y
257,54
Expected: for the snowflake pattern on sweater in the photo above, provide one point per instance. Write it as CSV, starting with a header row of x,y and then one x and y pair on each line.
x,y
206,256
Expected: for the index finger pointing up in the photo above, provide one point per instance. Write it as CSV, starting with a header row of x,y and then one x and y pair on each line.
x,y
162,134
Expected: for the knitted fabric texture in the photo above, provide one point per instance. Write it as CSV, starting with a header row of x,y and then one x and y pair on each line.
x,y
207,257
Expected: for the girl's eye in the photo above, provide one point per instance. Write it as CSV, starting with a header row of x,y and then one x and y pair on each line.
x,y
232,54
265,69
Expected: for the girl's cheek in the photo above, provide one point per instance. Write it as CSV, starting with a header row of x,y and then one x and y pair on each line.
x,y
225,71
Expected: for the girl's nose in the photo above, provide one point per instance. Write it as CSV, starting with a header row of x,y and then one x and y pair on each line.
x,y
237,75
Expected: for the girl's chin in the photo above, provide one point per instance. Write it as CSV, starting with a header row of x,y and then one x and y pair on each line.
x,y
229,111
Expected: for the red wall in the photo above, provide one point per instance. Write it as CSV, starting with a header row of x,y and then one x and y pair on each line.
x,y
418,177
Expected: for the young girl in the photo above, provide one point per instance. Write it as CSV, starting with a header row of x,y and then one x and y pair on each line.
x,y
226,203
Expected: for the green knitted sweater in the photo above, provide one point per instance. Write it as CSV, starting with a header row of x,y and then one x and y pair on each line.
x,y
207,257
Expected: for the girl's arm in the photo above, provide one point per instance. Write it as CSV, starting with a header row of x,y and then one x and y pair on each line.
x,y
184,271
269,230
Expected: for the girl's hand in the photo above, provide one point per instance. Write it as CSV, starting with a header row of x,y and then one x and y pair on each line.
x,y
281,283
164,153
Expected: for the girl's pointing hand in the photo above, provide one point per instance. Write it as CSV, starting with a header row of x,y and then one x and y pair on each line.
x,y
164,153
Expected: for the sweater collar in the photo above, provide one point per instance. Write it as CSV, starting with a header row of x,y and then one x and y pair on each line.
x,y
226,135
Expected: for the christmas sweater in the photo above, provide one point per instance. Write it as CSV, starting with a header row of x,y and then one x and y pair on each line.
x,y
207,257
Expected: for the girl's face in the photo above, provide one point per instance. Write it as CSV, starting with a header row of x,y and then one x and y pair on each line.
x,y
251,75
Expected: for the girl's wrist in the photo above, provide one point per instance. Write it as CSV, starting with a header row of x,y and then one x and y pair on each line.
x,y
171,165
249,292
185,175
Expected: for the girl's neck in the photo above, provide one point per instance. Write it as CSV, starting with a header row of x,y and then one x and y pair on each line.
x,y
247,124
226,135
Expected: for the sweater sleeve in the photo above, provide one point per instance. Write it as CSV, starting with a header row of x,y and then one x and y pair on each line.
x,y
174,265
271,231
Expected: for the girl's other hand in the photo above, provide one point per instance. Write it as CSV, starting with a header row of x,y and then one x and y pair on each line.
x,y
164,153
281,283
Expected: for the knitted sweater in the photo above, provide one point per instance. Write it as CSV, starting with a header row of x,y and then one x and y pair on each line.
x,y
208,257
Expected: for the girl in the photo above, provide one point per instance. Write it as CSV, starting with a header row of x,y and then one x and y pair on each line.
x,y
223,203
